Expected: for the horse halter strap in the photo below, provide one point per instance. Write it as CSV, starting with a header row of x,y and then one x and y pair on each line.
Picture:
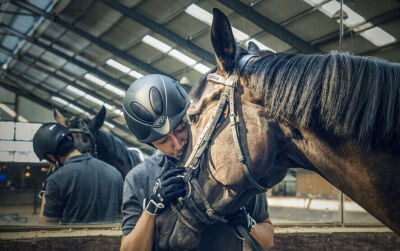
x,y
85,130
193,163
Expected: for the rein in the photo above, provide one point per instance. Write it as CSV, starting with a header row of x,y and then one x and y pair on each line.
x,y
193,163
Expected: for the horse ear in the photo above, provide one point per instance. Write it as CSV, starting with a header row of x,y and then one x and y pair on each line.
x,y
253,49
59,117
223,42
97,122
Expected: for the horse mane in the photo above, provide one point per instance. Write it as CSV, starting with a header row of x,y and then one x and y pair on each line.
x,y
348,97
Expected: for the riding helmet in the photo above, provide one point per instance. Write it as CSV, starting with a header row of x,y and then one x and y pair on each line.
x,y
153,106
52,138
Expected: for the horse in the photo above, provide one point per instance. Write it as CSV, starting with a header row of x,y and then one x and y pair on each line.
x,y
101,144
335,114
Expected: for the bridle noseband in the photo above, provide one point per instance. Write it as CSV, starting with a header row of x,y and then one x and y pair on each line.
x,y
192,165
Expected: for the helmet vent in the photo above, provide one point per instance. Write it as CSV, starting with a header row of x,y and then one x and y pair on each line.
x,y
156,101
141,112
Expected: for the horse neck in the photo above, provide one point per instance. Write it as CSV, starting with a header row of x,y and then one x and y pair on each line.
x,y
371,179
113,151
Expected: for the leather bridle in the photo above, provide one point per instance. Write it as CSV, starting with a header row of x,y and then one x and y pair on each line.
x,y
84,129
192,165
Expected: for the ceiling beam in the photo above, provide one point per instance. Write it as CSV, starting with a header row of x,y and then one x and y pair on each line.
x,y
68,58
270,26
16,75
104,45
22,59
22,92
381,49
160,29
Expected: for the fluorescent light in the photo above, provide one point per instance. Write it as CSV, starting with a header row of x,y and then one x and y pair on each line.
x,y
260,45
313,2
22,119
59,100
114,90
353,18
135,74
108,107
76,108
199,13
119,112
75,90
8,110
378,37
93,99
182,57
109,124
161,46
330,8
375,35
118,66
201,68
94,79
239,35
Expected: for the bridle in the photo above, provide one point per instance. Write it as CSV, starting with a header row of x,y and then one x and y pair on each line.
x,y
84,129
192,165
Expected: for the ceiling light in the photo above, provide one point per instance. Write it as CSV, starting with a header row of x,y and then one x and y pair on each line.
x,y
93,99
114,89
75,90
119,112
8,110
201,68
109,124
76,108
22,119
161,46
239,35
199,13
118,66
94,79
135,74
377,36
108,107
59,100
182,57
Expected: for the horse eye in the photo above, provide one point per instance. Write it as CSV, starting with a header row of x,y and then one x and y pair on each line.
x,y
193,118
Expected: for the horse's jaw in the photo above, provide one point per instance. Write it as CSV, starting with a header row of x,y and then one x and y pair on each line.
x,y
171,233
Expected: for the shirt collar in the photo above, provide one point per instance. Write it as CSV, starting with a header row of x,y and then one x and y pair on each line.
x,y
78,158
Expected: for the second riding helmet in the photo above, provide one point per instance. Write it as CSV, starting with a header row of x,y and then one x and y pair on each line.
x,y
153,106
52,138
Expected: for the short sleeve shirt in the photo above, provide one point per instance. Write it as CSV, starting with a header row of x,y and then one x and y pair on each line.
x,y
138,186
84,190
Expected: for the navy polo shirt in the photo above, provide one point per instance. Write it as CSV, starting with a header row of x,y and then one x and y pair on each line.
x,y
84,190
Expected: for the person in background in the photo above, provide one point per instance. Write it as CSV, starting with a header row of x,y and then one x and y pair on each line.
x,y
83,189
154,108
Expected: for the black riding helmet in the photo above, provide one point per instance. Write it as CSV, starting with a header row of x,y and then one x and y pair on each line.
x,y
52,138
153,106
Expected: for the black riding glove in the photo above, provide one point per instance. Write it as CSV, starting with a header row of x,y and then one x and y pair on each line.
x,y
241,217
169,186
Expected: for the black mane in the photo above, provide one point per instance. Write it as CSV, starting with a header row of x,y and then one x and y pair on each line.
x,y
348,97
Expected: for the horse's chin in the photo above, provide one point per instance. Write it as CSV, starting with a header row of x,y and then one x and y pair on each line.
x,y
183,238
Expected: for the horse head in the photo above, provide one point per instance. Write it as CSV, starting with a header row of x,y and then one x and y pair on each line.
x,y
335,114
226,173
84,130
